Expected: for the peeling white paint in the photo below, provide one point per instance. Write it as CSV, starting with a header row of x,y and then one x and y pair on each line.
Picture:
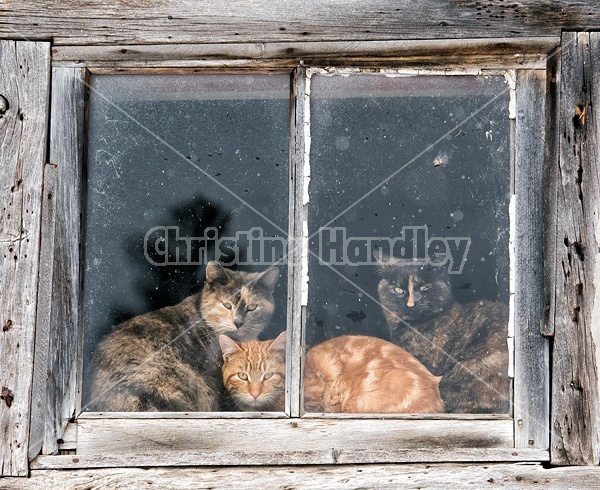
x,y
511,79
305,186
512,287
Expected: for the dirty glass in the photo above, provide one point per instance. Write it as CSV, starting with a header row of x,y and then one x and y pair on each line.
x,y
416,167
172,158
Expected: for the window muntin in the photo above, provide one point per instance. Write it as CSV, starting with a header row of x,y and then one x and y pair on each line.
x,y
174,154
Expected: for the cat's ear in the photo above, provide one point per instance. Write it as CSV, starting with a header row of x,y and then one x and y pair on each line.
x,y
216,273
278,344
268,279
228,346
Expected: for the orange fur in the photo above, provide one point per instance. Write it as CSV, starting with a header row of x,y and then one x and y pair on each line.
x,y
351,374
254,373
360,374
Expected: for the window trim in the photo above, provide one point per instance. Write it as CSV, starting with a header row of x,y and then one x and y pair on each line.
x,y
67,147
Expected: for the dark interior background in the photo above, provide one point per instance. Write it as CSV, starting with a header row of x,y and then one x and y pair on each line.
x,y
452,136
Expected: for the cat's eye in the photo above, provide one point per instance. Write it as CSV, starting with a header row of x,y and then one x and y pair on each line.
x,y
267,376
251,307
228,305
425,287
399,290
243,376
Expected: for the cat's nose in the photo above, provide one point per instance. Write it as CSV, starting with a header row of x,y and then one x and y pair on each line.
x,y
255,391
238,320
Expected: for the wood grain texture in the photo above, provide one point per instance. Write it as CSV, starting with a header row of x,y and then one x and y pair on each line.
x,y
384,477
300,441
216,21
532,360
44,312
575,409
24,82
288,458
485,53
550,186
66,334
295,343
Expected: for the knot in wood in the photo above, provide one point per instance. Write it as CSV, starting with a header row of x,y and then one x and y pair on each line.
x,y
3,104
7,396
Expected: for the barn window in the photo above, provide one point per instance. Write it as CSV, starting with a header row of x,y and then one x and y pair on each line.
x,y
346,173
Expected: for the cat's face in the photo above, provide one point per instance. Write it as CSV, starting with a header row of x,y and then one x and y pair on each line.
x,y
254,373
412,292
238,303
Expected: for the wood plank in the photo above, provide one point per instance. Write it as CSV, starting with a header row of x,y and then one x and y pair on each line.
x,y
483,61
437,476
575,409
288,458
299,441
213,21
24,82
532,360
514,48
295,340
272,415
549,193
44,312
65,346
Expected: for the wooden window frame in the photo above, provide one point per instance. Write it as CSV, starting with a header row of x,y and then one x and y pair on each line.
x,y
175,439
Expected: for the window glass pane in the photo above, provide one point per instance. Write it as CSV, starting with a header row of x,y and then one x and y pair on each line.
x,y
181,170
409,226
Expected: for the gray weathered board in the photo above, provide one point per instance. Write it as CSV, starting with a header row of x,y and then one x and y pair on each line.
x,y
380,476
213,21
24,96
44,312
521,52
59,335
298,149
129,441
575,421
532,378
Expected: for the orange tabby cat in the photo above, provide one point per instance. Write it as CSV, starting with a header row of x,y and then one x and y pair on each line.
x,y
360,374
351,374
254,373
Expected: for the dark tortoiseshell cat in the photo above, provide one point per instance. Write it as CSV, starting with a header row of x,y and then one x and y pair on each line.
x,y
466,344
169,359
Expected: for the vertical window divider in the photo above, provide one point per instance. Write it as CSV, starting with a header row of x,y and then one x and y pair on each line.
x,y
296,265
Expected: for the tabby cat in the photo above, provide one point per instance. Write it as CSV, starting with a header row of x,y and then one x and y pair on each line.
x,y
168,360
465,344
351,374
254,373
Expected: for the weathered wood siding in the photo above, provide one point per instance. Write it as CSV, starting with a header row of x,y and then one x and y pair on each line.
x,y
24,96
384,477
212,21
127,442
59,335
575,420
44,311
151,34
532,377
